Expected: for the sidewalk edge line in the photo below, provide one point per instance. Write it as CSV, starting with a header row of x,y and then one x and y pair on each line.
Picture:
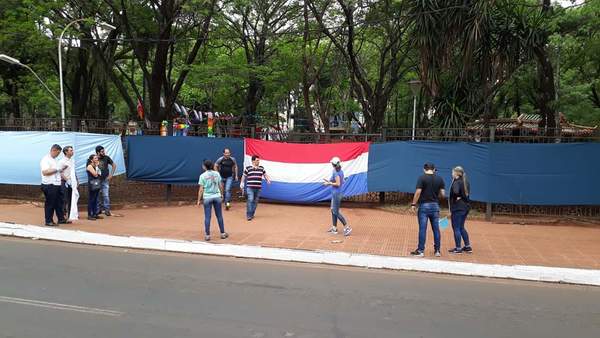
x,y
518,272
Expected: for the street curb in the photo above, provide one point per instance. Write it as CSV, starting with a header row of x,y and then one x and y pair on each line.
x,y
520,272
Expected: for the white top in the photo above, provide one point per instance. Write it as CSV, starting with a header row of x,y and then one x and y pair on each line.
x,y
49,163
67,173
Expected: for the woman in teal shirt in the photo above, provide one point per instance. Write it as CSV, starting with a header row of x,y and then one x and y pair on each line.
x,y
211,193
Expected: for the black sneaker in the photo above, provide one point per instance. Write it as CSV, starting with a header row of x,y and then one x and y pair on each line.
x,y
51,224
107,213
467,249
455,251
417,253
91,218
98,217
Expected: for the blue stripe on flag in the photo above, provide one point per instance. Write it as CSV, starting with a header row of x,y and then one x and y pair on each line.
x,y
312,192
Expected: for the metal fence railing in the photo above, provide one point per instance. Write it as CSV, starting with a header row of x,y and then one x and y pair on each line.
x,y
227,129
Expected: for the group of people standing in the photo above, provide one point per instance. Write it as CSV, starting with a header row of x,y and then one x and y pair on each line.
x,y
426,202
216,181
215,184
59,185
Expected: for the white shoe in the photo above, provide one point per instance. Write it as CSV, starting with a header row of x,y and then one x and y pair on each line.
x,y
333,231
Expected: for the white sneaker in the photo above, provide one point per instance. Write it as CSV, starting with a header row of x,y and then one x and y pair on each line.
x,y
333,231
438,254
347,231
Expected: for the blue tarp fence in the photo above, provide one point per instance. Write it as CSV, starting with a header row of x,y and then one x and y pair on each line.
x,y
529,174
513,173
22,151
176,160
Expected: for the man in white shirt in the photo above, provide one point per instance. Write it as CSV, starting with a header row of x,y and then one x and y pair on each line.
x,y
69,180
51,182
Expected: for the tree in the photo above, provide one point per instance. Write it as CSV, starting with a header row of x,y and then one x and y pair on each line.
x,y
482,44
21,94
153,32
257,25
372,41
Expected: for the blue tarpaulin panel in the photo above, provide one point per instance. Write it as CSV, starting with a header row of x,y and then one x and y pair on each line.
x,y
545,174
534,174
22,151
176,160
395,166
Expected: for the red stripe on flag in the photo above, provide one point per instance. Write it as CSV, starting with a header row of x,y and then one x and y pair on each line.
x,y
304,153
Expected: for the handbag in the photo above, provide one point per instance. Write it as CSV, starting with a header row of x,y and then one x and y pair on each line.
x,y
95,184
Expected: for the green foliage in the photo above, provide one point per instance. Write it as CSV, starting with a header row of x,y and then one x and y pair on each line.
x,y
469,58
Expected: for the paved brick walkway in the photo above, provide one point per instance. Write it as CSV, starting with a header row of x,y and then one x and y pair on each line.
x,y
376,231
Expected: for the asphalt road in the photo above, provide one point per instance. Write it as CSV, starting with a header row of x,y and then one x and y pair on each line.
x,y
60,290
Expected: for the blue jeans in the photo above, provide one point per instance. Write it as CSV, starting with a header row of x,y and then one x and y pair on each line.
x,y
336,201
209,203
458,225
431,212
93,203
104,203
227,182
252,201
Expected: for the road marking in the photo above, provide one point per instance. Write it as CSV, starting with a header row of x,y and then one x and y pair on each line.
x,y
59,306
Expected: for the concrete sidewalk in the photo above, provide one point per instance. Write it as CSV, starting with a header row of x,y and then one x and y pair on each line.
x,y
376,232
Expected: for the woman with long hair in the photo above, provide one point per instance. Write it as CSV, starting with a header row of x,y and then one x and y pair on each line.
x,y
336,181
210,193
459,209
93,174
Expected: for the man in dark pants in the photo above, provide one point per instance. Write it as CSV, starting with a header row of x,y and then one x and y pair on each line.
x,y
106,175
228,169
430,188
252,180
51,186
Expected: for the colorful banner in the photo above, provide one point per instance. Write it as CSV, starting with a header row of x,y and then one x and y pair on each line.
x,y
297,170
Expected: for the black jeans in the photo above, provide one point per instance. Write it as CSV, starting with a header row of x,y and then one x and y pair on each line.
x,y
93,209
53,203
67,193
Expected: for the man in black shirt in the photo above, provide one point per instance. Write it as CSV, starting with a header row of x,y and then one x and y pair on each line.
x,y
106,175
228,169
430,188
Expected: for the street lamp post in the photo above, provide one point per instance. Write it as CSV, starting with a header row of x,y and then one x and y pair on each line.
x,y
415,88
14,61
60,72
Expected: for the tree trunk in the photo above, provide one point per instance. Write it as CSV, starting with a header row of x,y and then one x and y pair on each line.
x,y
253,97
306,82
103,100
76,86
546,92
15,105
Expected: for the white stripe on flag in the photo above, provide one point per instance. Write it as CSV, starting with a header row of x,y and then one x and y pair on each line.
x,y
309,172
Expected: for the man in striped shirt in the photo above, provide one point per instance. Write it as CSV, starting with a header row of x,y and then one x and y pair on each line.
x,y
252,180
